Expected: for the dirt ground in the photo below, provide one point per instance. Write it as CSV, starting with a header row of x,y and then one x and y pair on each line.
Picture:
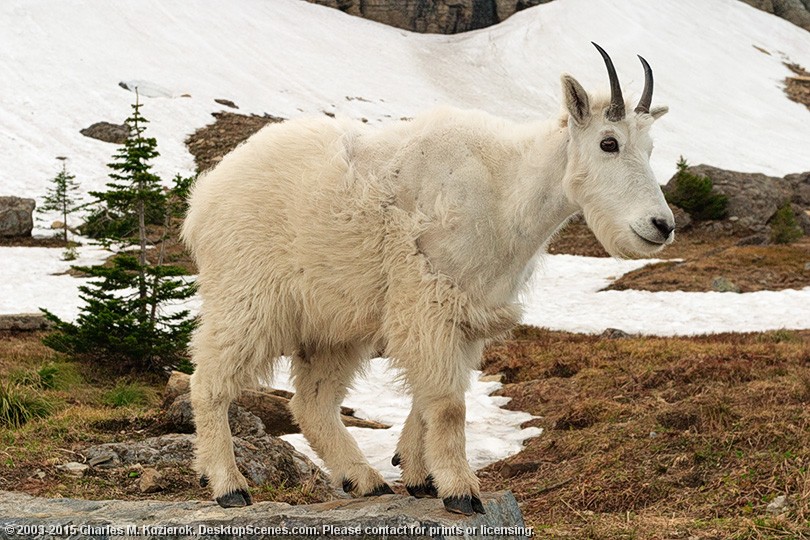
x,y
32,241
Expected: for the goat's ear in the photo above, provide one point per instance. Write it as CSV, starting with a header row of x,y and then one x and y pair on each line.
x,y
576,100
658,112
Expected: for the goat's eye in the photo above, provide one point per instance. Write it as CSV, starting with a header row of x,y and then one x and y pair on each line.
x,y
609,145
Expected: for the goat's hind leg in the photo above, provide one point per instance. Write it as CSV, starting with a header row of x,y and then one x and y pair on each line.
x,y
321,378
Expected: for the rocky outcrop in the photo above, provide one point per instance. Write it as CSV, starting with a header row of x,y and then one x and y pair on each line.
x,y
433,16
387,516
454,16
24,322
210,143
107,132
754,198
16,216
800,185
795,11
262,459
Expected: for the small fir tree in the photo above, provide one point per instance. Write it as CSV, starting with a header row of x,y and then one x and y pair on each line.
x,y
134,196
785,229
124,316
694,194
60,197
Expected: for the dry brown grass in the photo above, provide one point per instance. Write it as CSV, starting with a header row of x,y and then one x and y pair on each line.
x,y
577,239
751,268
798,88
659,437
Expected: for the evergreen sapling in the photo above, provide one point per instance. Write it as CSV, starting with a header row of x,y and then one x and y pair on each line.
x,y
124,316
60,197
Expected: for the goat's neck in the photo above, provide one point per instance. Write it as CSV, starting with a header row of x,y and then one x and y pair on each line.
x,y
537,204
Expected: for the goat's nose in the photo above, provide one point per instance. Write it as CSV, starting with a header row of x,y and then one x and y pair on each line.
x,y
663,226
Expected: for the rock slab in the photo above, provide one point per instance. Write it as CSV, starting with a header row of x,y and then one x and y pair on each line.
x,y
261,458
24,322
16,216
107,132
23,517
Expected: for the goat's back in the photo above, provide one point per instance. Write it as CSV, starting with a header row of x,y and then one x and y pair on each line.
x,y
283,224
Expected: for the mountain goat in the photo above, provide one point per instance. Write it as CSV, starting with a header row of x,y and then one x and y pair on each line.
x,y
326,240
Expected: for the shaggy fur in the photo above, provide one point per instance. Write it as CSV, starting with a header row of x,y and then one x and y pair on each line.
x,y
326,240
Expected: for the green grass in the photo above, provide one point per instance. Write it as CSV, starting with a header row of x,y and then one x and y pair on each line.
x,y
51,376
18,405
127,394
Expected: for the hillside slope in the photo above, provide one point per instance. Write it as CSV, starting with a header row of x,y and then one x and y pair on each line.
x,y
63,63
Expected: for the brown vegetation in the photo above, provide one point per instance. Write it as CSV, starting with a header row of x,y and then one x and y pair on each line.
x,y
652,438
30,455
209,144
751,268
704,255
659,437
797,88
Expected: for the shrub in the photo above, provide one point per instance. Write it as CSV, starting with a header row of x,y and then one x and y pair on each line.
x,y
694,194
125,394
18,406
185,366
784,227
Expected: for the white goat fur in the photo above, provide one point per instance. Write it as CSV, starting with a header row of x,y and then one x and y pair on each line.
x,y
327,240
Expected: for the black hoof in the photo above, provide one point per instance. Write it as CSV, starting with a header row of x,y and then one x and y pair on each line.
x,y
203,481
421,491
466,505
396,460
348,485
382,489
235,499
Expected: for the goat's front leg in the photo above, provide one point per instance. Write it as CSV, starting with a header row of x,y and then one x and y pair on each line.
x,y
410,457
446,455
439,400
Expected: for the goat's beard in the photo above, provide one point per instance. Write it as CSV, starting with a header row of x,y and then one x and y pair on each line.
x,y
616,236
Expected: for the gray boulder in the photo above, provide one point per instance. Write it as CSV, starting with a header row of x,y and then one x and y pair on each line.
x,y
753,198
383,517
800,184
180,417
24,322
107,132
795,11
802,217
16,216
262,459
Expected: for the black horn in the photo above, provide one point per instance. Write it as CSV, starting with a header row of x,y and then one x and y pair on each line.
x,y
646,96
616,110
